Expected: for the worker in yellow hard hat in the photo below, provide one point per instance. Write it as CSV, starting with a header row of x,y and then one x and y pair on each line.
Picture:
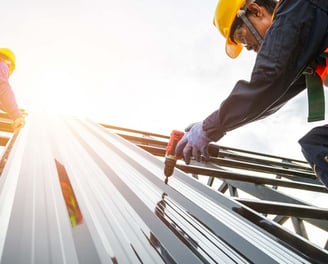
x,y
230,15
290,38
7,97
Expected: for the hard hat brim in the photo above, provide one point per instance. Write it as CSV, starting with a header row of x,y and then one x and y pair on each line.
x,y
224,17
233,49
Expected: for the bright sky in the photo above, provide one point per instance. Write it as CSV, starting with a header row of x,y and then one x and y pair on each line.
x,y
148,64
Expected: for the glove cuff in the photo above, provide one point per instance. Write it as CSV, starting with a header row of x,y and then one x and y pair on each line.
x,y
211,131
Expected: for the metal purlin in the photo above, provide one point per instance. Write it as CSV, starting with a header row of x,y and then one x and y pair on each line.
x,y
126,214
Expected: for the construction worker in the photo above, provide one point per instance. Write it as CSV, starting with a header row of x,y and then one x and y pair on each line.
x,y
289,43
7,97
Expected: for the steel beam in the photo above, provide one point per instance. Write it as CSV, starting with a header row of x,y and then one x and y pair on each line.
x,y
122,211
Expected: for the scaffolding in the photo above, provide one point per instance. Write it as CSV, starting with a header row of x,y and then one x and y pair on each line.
x,y
76,191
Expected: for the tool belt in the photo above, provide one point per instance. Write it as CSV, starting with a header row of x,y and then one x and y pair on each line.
x,y
316,76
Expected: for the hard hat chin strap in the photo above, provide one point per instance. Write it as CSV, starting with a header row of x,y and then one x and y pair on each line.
x,y
242,15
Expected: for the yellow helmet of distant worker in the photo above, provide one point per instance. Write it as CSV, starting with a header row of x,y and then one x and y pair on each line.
x,y
9,57
225,14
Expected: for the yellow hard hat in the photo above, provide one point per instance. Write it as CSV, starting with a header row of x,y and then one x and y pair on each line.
x,y
9,55
225,14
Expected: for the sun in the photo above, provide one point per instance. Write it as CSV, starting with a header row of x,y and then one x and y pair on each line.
x,y
62,92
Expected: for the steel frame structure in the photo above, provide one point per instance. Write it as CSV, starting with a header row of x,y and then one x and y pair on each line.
x,y
275,172
74,191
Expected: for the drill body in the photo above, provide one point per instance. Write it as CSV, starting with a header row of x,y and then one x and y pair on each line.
x,y
170,155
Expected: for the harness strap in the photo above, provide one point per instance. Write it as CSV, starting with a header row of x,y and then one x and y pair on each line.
x,y
316,97
316,77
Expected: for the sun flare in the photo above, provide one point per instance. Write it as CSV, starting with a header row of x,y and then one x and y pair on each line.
x,y
63,93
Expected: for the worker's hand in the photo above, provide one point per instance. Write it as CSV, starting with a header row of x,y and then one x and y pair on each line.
x,y
194,143
18,123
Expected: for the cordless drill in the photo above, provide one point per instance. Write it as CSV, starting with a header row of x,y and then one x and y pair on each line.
x,y
170,155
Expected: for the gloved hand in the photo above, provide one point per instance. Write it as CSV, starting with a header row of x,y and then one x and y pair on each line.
x,y
194,143
18,123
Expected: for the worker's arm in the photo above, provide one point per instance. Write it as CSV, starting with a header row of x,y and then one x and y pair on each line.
x,y
294,90
291,43
235,118
7,98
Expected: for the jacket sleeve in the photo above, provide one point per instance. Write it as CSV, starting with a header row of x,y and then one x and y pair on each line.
x,y
7,97
277,73
233,116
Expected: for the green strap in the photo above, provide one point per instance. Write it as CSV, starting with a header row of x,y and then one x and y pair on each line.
x,y
316,97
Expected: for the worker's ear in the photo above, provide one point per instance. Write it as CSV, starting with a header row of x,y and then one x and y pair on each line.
x,y
255,9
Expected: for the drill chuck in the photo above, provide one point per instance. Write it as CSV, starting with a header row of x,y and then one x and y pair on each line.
x,y
169,165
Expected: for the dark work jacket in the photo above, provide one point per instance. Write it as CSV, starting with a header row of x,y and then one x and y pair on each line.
x,y
297,36
315,150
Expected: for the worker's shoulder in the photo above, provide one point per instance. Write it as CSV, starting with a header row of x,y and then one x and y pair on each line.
x,y
321,4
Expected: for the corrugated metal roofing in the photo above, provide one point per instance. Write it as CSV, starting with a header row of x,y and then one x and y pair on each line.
x,y
72,191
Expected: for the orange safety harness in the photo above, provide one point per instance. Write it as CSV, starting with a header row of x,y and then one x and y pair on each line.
x,y
322,70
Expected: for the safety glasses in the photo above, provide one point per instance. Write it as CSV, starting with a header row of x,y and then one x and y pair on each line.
x,y
235,32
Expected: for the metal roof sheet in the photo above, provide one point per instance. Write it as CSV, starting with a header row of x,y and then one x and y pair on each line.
x,y
72,191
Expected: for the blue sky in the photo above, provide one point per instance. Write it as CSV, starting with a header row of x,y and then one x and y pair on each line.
x,y
148,65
